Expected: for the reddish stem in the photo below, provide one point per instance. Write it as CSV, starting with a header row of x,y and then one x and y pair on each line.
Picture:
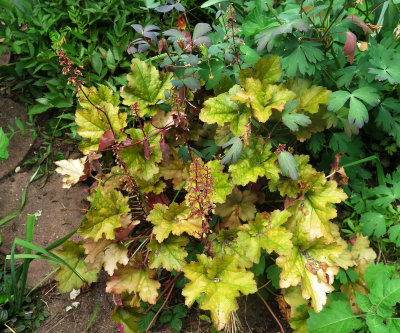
x,y
159,310
271,312
102,111
163,292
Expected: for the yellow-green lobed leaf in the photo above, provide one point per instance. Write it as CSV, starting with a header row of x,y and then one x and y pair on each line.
x,y
134,279
73,253
222,184
265,232
134,156
256,160
262,99
146,86
267,70
220,281
170,254
92,123
105,216
222,109
175,219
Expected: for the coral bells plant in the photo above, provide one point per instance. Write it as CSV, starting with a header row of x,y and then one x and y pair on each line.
x,y
193,192
200,187
70,70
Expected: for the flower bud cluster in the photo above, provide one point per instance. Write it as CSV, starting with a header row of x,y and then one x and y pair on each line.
x,y
68,69
200,187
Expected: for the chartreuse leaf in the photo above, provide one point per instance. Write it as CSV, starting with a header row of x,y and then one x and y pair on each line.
x,y
92,120
312,215
146,86
361,249
298,309
313,212
175,219
73,254
105,253
267,70
222,109
128,317
309,97
96,97
316,277
256,160
170,254
154,184
238,205
225,244
135,156
105,215
291,187
222,185
137,280
337,317
177,170
220,281
262,99
318,124
265,232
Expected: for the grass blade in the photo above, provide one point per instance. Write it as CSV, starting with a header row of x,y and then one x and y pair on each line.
x,y
93,317
30,226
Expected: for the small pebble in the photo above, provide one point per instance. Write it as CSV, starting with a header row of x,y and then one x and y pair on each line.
x,y
17,169
74,293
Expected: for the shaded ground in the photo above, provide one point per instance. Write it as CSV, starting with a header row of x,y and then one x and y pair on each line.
x,y
10,110
60,211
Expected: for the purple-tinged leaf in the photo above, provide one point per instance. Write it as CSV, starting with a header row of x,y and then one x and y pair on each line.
x,y
138,40
106,140
179,7
165,150
151,35
132,49
200,30
360,23
164,9
138,28
350,46
203,40
174,34
146,147
192,83
171,2
143,47
191,59
151,27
